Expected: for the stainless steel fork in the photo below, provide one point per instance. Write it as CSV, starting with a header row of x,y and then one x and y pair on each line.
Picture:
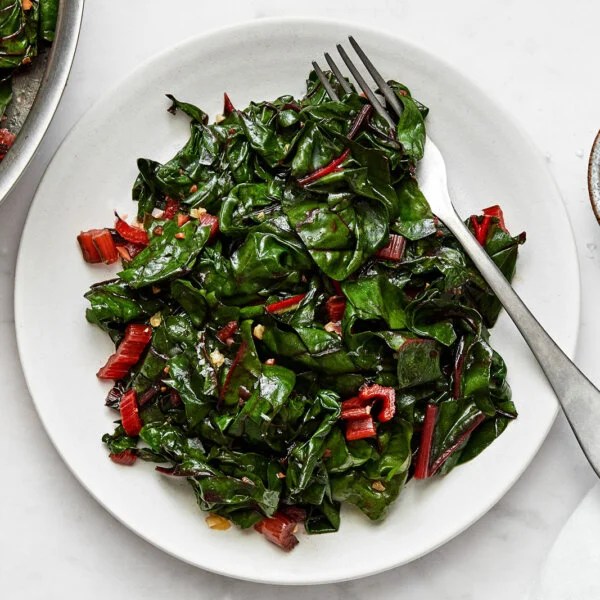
x,y
579,398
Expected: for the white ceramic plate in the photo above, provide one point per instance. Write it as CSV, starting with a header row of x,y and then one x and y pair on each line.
x,y
571,569
488,160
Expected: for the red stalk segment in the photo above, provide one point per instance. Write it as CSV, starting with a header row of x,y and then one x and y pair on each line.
x,y
227,332
228,106
358,429
332,167
137,337
359,412
7,139
107,249
124,253
279,529
126,457
424,453
130,416
394,249
276,308
442,458
182,219
171,209
480,228
212,222
337,287
131,234
496,211
379,392
335,305
362,117
236,361
481,225
88,249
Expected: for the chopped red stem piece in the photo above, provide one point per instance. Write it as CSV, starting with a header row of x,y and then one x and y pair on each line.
x,y
379,392
337,287
442,458
236,361
226,332
394,249
106,246
126,457
358,429
7,139
481,227
228,106
279,529
291,106
350,414
335,305
333,166
212,221
88,249
137,337
355,402
326,170
363,116
171,209
424,453
135,235
124,253
182,219
130,417
148,394
496,211
284,305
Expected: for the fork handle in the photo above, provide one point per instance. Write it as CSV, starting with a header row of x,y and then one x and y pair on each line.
x,y
579,398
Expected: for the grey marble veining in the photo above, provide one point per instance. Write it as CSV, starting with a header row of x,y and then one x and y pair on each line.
x,y
56,538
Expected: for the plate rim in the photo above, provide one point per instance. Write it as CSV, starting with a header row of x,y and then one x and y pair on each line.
x,y
461,79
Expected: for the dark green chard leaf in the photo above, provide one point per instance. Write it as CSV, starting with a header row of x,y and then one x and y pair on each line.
x,y
267,336
195,113
5,93
116,302
48,16
167,255
410,129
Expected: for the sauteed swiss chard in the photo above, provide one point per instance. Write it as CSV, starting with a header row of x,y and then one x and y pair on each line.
x,y
294,329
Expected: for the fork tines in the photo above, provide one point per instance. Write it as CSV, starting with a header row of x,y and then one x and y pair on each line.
x,y
384,88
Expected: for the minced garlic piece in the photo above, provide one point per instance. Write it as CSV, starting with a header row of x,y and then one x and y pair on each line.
x,y
378,486
332,327
156,319
219,118
217,522
196,213
216,358
258,332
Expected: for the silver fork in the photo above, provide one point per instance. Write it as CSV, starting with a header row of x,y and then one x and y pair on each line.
x,y
579,398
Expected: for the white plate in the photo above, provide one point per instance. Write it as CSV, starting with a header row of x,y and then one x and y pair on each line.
x,y
489,161
571,569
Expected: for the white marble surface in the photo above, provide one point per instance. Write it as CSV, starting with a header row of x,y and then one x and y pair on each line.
x,y
534,58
